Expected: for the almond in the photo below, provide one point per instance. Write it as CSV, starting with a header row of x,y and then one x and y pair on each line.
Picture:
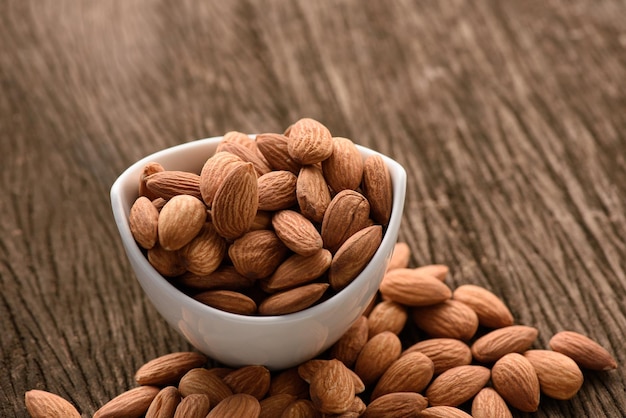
x,y
297,232
348,347
131,404
312,193
347,213
262,220
559,376
236,137
228,300
310,142
440,271
515,379
400,256
410,373
407,287
201,380
42,404
277,190
274,148
387,316
164,403
344,168
301,408
445,353
308,369
213,173
376,356
224,278
332,388
274,406
148,169
292,300
247,154
289,382
169,183
142,220
195,405
443,411
257,254
236,406
167,263
356,409
457,385
489,404
169,368
253,380
512,339
378,189
180,220
205,252
450,319
354,254
587,353
491,311
235,203
398,404
298,270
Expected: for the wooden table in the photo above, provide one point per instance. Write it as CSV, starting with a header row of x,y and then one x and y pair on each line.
x,y
508,116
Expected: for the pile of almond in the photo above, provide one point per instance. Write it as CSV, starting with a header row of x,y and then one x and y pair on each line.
x,y
270,225
470,358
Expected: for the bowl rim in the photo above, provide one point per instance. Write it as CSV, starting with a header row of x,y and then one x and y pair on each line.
x,y
120,212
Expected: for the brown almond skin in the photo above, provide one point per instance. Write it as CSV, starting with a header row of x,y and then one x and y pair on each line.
x,y
131,404
236,406
201,380
400,257
277,190
225,278
292,300
247,154
587,353
332,388
310,142
257,254
440,271
512,339
489,404
450,319
169,183
274,405
457,385
398,404
378,189
195,405
167,263
491,311
215,169
168,368
253,380
165,403
443,411
228,300
301,408
236,202
274,148
298,270
148,169
410,373
205,252
347,213
42,404
297,232
344,168
445,353
180,220
515,379
559,376
142,220
348,347
312,193
289,382
376,356
407,287
353,256
387,315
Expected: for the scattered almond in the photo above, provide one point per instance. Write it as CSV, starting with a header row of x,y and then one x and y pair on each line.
x,y
512,339
376,356
515,379
387,316
445,353
587,353
450,319
348,347
195,405
491,311
559,376
253,380
169,368
42,404
398,404
164,403
457,385
131,404
236,406
407,287
410,373
489,404
200,380
332,388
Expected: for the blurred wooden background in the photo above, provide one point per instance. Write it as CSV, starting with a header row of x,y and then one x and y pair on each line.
x,y
509,116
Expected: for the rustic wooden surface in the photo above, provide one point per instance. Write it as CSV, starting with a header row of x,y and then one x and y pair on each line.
x,y
508,115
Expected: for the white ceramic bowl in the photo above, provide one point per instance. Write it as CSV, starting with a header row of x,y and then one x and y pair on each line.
x,y
278,342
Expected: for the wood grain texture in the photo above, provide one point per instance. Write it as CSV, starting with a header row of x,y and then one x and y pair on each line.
x,y
509,117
